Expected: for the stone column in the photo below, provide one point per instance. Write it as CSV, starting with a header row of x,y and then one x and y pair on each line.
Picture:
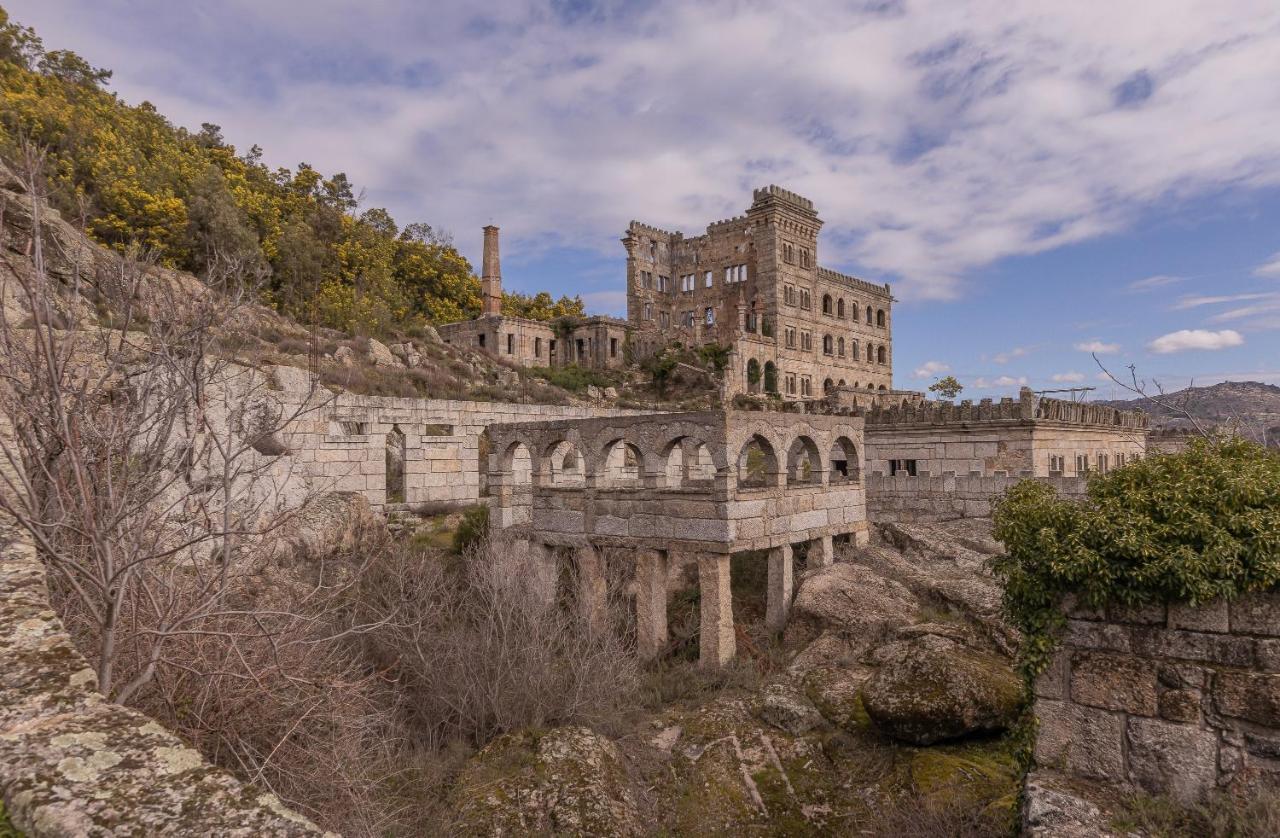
x,y
716,641
822,552
542,559
781,583
651,602
592,587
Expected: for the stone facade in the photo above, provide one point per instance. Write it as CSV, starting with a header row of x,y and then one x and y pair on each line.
x,y
678,486
596,342
908,500
753,283
1172,700
1028,437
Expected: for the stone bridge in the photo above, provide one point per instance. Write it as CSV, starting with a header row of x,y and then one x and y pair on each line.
x,y
674,488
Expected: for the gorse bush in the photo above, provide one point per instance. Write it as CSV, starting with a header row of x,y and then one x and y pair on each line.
x,y
1188,527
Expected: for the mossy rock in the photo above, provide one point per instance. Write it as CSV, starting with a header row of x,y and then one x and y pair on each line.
x,y
931,689
984,776
837,693
567,781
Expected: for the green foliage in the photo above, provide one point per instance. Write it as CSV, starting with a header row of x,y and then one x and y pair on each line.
x,y
573,378
1188,527
132,178
1221,816
7,829
770,378
714,354
473,529
660,367
947,388
541,306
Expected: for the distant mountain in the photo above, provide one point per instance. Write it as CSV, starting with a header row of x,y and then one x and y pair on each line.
x,y
1252,406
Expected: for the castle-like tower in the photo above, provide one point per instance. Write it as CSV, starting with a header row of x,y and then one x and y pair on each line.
x,y
491,274
753,283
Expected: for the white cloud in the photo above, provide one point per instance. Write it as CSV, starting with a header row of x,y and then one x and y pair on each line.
x,y
1195,301
931,368
1269,268
1068,377
981,383
934,137
1153,282
1185,339
1006,357
1098,347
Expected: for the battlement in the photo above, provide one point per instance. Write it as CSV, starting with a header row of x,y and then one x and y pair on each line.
x,y
828,275
763,194
1026,408
726,224
639,227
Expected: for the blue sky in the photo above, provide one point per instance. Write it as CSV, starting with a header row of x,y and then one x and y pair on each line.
x,y
1035,179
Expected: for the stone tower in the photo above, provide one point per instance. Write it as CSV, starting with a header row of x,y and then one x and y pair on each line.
x,y
491,274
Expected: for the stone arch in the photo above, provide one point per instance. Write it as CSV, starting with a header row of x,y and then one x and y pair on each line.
x,y
871,354
840,307
844,461
870,316
841,383
395,459
754,376
688,462
827,387
757,463
827,304
880,317
770,377
881,355
840,346
517,462
565,464
804,465
882,387
828,345
621,464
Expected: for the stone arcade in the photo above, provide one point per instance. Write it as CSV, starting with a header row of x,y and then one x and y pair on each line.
x,y
676,488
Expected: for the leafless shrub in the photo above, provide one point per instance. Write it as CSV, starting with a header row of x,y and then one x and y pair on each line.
x,y
476,652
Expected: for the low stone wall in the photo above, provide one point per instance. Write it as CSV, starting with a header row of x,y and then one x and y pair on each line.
x,y
73,764
1168,700
905,499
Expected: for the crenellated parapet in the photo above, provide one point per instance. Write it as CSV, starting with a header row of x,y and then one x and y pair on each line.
x,y
765,193
1026,408
837,278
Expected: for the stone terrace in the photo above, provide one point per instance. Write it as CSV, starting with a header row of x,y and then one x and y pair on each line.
x,y
674,486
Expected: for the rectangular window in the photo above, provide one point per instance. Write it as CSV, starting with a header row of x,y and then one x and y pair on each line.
x,y
688,282
663,282
791,384
806,301
511,344
1057,465
537,347
706,279
806,341
1102,463
686,319
791,337
664,319
903,467
709,315
1120,460
806,386
613,347
1082,464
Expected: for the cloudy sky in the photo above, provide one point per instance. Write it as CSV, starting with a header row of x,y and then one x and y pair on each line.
x,y
1037,180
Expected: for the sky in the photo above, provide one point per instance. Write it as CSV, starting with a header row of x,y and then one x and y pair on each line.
x,y
1040,182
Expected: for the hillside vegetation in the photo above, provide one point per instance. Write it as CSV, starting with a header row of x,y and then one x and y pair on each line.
x,y
134,181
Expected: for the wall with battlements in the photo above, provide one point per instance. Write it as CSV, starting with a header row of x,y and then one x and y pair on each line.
x,y
905,499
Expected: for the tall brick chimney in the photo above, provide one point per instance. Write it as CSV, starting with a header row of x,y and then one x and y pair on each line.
x,y
491,274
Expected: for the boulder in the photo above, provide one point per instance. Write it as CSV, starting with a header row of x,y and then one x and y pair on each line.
x,y
784,707
853,600
508,377
594,392
611,392
929,688
407,353
291,379
567,781
345,355
837,694
380,355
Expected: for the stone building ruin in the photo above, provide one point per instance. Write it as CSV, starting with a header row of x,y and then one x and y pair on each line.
x,y
668,489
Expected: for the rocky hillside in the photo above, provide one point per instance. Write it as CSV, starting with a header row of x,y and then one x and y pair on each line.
x,y
1252,406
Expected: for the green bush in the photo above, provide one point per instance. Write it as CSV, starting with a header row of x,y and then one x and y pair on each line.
x,y
573,378
472,530
715,354
1188,528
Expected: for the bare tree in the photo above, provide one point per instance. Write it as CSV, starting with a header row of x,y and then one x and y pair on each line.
x,y
145,465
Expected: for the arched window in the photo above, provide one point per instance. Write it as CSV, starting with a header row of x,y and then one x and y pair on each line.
x,y
753,376
827,387
622,464
844,461
770,377
853,349
882,387
880,355
828,345
565,466
840,307
826,303
870,315
803,465
840,347
689,463
871,354
757,463
880,317
842,382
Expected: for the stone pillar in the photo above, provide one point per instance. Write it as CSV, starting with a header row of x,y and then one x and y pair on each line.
x,y
593,590
543,576
491,277
822,552
716,641
781,583
651,602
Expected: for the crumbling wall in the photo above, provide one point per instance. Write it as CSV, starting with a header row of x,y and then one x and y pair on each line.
x,y
1172,700
905,499
73,764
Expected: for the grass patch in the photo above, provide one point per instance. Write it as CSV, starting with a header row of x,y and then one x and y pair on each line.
x,y
1221,816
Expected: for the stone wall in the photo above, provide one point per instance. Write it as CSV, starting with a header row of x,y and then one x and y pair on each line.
x,y
905,499
73,764
1168,700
